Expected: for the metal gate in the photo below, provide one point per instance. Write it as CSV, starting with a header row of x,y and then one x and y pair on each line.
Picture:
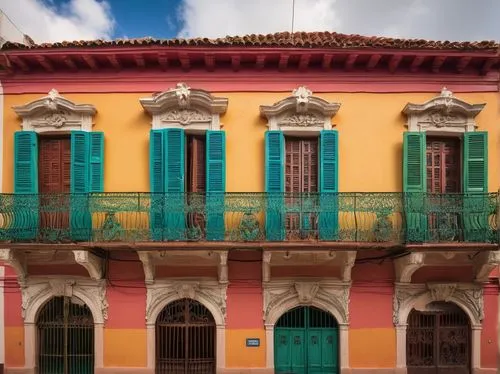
x,y
306,342
438,342
185,339
65,337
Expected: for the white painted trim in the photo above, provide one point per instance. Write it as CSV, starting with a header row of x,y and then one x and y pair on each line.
x,y
443,114
183,107
55,114
300,114
2,316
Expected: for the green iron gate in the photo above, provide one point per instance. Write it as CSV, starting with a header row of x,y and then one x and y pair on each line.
x,y
306,342
65,337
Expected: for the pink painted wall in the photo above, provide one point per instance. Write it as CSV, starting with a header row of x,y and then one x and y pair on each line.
x,y
443,274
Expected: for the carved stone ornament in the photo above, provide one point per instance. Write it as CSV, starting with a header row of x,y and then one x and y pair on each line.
x,y
36,291
16,261
300,112
444,113
185,107
211,294
54,113
89,261
283,295
467,296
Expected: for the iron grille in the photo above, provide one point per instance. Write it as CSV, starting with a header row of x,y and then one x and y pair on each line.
x,y
306,316
438,342
185,339
65,337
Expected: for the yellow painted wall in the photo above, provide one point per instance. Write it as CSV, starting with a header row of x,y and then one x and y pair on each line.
x,y
238,355
361,348
125,348
370,138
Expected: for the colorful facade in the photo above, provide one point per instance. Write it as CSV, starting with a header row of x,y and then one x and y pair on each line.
x,y
307,203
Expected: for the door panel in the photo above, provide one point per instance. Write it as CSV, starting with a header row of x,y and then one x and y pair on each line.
x,y
306,348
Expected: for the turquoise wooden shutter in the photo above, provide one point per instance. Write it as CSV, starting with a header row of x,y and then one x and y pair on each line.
x,y
25,221
414,185
328,185
157,182
216,183
275,185
96,162
475,185
175,223
80,219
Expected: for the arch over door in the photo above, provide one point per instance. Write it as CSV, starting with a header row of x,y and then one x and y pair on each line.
x,y
438,341
185,339
65,328
306,342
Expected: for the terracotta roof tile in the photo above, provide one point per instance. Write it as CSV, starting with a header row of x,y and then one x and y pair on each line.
x,y
282,40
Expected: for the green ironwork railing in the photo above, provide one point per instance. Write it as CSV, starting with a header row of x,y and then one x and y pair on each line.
x,y
348,217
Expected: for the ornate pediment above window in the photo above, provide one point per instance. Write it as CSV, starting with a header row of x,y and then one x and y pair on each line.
x,y
301,112
54,113
443,113
184,107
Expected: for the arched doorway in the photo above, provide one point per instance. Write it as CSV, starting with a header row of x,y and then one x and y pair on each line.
x,y
438,341
185,339
65,336
306,342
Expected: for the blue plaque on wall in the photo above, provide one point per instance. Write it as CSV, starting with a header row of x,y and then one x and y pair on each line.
x,y
253,342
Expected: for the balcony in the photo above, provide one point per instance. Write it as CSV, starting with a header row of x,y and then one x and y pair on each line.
x,y
384,218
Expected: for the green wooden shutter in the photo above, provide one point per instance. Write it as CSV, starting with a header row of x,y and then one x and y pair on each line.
x,y
274,184
328,185
25,222
475,185
80,218
96,162
216,183
414,185
157,182
175,223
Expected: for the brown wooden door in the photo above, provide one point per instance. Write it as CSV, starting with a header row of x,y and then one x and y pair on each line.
x,y
54,168
301,178
438,342
443,165
195,185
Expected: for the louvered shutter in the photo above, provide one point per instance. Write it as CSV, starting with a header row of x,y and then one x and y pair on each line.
x,y
328,186
475,184
175,223
216,184
274,185
157,182
414,185
80,219
25,222
96,162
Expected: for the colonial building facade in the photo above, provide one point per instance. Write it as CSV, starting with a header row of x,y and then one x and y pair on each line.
x,y
314,203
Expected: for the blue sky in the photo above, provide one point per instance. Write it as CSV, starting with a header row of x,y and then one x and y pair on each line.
x,y
57,20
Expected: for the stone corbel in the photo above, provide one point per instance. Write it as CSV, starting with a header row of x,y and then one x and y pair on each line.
x,y
91,262
484,264
266,266
148,265
406,266
347,265
15,260
222,267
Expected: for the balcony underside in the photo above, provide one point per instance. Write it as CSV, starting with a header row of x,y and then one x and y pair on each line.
x,y
347,221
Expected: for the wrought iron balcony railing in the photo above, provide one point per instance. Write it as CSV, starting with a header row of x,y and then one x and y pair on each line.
x,y
343,217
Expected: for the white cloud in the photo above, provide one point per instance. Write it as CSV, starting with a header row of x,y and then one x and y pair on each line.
x,y
218,18
74,20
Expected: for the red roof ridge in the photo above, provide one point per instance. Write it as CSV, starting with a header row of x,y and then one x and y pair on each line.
x,y
324,40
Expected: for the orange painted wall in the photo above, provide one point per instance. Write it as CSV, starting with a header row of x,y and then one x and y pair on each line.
x,y
377,116
489,335
14,324
125,347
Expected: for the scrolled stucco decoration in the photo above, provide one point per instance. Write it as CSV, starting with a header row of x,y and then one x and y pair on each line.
x,y
54,113
406,266
283,295
90,262
467,296
300,112
185,107
37,291
15,260
443,113
211,294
